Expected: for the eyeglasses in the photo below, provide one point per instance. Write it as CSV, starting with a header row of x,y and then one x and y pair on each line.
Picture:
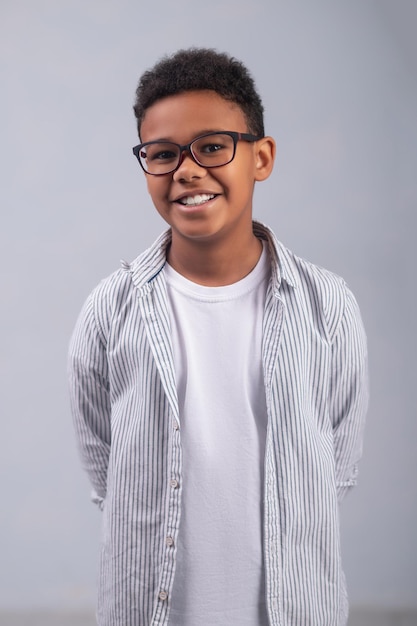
x,y
210,150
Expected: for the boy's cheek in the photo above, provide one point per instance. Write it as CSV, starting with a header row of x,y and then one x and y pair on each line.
x,y
157,188
148,183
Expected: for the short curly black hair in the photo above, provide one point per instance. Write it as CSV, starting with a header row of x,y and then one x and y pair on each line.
x,y
195,69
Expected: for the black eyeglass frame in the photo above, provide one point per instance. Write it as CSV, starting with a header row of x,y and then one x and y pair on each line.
x,y
188,148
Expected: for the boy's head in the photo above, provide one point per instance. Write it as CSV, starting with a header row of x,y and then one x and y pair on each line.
x,y
203,147
199,69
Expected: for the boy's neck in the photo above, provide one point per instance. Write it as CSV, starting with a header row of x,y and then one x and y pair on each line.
x,y
214,265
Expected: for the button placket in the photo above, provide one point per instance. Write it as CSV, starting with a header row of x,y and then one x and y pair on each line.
x,y
171,528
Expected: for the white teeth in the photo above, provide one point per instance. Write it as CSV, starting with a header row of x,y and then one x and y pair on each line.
x,y
195,200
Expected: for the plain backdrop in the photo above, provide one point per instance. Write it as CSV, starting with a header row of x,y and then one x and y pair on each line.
x,y
338,81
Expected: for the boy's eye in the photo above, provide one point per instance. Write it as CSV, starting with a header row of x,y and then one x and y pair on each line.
x,y
161,153
209,148
214,149
164,155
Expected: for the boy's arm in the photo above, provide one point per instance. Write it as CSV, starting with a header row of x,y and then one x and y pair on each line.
x,y
90,400
348,395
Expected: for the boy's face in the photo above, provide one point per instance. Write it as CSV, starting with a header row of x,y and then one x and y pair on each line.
x,y
180,119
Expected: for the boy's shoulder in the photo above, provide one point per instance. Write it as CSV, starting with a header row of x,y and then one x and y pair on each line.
x,y
121,289
136,274
319,291
292,277
286,265
296,270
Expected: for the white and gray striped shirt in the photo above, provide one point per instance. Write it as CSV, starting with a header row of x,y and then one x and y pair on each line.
x,y
125,407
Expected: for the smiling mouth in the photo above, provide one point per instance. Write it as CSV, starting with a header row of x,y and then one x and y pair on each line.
x,y
196,200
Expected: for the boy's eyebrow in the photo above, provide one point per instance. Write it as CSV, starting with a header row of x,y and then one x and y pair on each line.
x,y
199,134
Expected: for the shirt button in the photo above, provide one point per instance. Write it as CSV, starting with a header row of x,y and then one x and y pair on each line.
x,y
174,483
176,425
163,595
169,541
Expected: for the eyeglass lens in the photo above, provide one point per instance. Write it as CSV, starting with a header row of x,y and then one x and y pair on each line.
x,y
161,157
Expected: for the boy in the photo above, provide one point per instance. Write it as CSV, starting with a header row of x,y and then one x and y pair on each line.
x,y
218,383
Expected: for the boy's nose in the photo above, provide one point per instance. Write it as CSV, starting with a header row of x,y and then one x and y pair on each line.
x,y
188,168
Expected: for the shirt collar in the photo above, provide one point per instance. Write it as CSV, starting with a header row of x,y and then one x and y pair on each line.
x,y
147,266
282,264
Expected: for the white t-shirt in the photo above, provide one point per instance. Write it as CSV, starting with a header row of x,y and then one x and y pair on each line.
x,y
217,336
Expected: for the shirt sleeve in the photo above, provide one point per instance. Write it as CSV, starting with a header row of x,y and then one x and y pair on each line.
x,y
90,398
349,391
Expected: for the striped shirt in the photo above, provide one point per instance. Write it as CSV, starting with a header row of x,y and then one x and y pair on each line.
x,y
125,407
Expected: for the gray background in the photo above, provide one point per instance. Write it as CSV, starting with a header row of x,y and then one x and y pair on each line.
x,y
338,80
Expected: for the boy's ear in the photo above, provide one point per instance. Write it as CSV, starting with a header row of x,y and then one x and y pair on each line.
x,y
265,157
